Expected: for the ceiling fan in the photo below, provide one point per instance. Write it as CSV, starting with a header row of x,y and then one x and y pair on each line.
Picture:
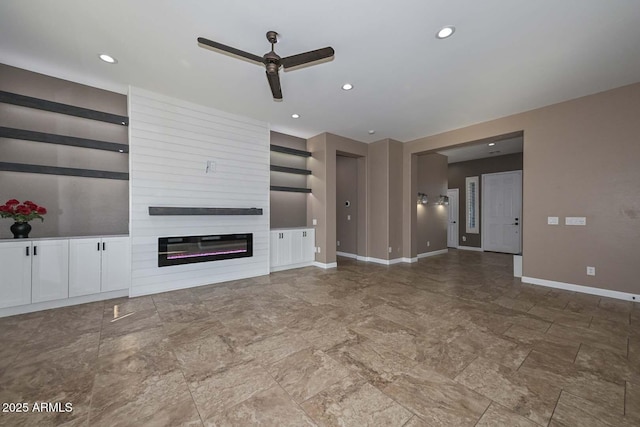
x,y
272,61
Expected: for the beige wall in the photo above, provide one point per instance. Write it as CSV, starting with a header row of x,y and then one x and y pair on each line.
x,y
77,206
461,170
580,159
431,219
395,199
347,216
288,209
378,209
322,202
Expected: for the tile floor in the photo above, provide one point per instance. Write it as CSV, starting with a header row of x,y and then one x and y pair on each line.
x,y
453,340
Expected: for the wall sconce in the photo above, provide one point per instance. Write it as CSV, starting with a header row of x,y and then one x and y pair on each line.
x,y
443,200
422,199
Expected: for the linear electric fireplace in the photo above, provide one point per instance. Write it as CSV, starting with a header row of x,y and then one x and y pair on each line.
x,y
191,249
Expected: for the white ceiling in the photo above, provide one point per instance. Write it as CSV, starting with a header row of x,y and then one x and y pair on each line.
x,y
506,56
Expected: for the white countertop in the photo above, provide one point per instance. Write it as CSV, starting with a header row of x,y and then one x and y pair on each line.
x,y
36,239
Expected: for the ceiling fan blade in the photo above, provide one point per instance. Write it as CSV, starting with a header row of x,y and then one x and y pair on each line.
x,y
231,50
274,83
303,58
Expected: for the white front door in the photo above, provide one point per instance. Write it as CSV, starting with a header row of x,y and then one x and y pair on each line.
x,y
452,229
502,212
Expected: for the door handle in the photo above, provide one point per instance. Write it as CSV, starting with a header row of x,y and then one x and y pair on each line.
x,y
98,245
27,252
104,246
453,222
35,250
515,223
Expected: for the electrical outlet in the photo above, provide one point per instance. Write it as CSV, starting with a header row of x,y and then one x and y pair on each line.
x,y
464,238
318,249
348,217
553,220
338,243
428,243
591,271
314,221
390,250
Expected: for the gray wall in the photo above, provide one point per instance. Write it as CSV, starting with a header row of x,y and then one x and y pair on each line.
x,y
76,206
288,209
457,174
347,190
432,218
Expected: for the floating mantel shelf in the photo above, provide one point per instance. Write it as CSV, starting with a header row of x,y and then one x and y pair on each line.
x,y
168,210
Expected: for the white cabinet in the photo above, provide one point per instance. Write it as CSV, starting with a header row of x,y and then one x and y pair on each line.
x,y
116,264
49,270
15,273
85,258
292,248
98,265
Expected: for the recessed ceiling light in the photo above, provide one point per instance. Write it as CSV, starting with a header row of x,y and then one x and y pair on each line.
x,y
347,86
295,116
107,58
445,32
371,132
491,144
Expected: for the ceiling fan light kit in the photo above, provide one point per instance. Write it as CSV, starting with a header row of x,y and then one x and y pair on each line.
x,y
272,61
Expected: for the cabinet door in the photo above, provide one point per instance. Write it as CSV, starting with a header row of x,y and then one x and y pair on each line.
x,y
296,246
309,245
116,264
50,270
84,266
15,273
274,248
284,248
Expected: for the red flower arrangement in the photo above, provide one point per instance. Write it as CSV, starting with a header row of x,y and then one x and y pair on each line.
x,y
22,212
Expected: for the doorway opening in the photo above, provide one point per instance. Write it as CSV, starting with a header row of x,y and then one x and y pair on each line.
x,y
347,207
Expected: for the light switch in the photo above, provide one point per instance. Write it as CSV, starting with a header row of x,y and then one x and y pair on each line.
x,y
348,217
314,221
575,220
553,220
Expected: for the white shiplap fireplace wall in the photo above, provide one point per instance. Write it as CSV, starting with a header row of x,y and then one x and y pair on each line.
x,y
170,143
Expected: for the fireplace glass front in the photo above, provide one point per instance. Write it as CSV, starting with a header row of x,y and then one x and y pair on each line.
x,y
192,249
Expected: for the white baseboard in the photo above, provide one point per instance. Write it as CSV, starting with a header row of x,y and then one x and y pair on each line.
x,y
409,260
325,266
470,248
292,266
347,255
47,305
517,266
433,253
580,288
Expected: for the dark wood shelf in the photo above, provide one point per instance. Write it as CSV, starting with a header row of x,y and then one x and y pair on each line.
x,y
50,138
168,210
56,170
292,151
57,107
290,189
285,169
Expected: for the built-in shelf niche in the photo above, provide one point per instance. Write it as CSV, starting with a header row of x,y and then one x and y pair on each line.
x,y
50,138
290,170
